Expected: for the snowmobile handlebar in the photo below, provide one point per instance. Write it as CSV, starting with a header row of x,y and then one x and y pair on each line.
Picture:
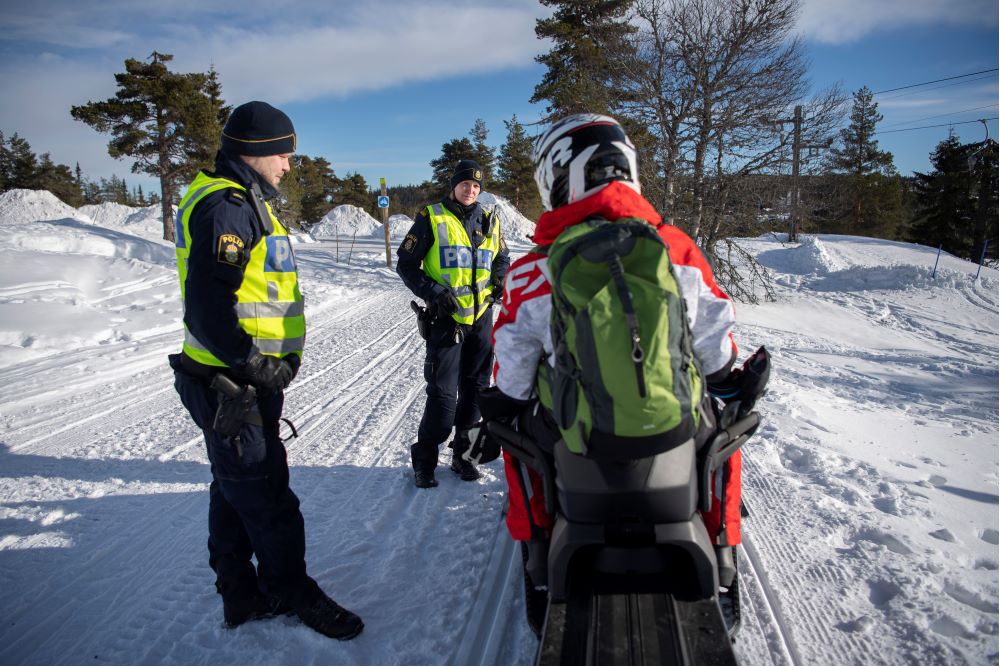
x,y
724,444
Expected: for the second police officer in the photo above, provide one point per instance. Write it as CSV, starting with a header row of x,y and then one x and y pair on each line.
x,y
455,259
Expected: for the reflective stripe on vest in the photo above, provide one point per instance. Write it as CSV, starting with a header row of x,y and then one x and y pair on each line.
x,y
453,262
269,304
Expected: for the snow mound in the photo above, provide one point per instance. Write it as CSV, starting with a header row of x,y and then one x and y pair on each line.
x,y
515,227
68,236
146,221
809,258
27,206
345,220
399,224
108,214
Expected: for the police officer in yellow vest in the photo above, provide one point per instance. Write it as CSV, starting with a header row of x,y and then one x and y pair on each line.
x,y
455,259
244,320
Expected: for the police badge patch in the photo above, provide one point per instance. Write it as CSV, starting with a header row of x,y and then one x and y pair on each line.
x,y
409,243
232,250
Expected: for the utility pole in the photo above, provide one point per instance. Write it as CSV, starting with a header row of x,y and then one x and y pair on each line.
x,y
793,231
797,146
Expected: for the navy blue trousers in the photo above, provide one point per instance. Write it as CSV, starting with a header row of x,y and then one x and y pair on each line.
x,y
251,508
454,372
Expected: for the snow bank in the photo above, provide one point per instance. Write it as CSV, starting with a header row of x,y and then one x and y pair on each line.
x,y
345,220
27,206
399,224
143,221
516,228
857,263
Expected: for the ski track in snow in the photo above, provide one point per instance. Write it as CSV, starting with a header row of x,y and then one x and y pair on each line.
x,y
847,558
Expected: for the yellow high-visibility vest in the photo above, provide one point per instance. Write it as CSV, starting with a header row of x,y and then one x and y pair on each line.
x,y
453,262
269,304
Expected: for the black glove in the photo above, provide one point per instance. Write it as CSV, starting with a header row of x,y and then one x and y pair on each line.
x,y
745,384
270,374
483,448
495,404
497,294
446,303
294,361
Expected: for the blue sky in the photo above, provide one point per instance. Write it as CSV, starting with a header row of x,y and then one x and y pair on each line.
x,y
378,87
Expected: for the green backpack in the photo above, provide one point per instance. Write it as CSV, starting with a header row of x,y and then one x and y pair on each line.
x,y
625,384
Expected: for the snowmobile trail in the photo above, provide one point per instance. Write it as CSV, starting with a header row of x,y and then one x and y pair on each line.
x,y
760,602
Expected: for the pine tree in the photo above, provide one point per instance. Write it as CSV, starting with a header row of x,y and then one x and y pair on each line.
x,y
78,175
872,203
983,162
168,122
353,190
5,164
288,207
319,186
956,204
57,179
481,152
515,171
585,33
444,166
23,164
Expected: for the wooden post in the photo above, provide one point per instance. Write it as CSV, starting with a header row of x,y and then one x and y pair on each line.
x,y
385,225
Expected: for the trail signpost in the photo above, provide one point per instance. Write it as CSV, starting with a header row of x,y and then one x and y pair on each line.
x,y
383,205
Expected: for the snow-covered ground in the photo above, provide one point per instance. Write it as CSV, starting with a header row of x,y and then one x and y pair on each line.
x,y
872,485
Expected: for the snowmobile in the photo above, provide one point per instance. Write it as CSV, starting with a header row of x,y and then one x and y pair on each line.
x,y
628,573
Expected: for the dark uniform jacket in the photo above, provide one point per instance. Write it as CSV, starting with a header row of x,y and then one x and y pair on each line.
x,y
210,292
420,238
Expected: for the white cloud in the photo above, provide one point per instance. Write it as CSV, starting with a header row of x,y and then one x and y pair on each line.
x,y
64,30
287,63
841,21
310,53
36,105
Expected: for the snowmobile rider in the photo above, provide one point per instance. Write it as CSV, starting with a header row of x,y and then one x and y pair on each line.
x,y
455,259
244,320
585,167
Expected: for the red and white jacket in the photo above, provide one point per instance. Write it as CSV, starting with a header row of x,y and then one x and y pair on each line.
x,y
521,335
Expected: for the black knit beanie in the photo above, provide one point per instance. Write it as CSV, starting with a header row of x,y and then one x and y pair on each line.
x,y
467,170
258,129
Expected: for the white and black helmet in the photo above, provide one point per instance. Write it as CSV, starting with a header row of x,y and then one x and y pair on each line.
x,y
579,155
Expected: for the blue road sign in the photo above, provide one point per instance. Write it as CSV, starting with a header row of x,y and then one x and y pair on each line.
x,y
383,202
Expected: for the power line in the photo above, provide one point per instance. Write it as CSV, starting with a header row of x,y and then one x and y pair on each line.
x,y
910,129
938,87
951,113
927,83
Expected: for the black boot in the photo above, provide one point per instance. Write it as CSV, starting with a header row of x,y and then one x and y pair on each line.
x,y
260,606
424,459
424,478
330,618
465,470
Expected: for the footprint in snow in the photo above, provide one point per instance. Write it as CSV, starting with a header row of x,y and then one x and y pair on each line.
x,y
861,625
882,591
884,539
990,535
944,534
